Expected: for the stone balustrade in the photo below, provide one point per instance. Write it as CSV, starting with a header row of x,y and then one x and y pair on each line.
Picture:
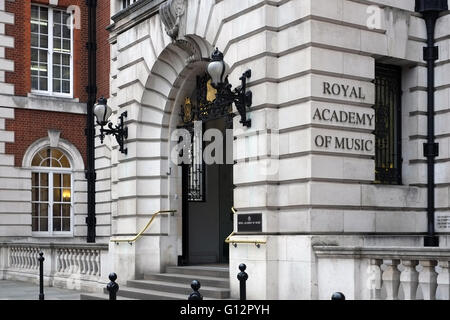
x,y
387,273
72,266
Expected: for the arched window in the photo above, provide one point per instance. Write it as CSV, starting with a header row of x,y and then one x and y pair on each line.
x,y
51,192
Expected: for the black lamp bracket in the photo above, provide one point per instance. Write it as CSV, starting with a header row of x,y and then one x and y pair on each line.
x,y
240,96
120,132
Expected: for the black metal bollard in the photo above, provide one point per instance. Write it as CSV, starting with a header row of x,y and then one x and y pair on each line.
x,y
41,275
195,285
338,296
242,277
112,287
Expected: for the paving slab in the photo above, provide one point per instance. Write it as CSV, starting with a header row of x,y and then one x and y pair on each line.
x,y
17,290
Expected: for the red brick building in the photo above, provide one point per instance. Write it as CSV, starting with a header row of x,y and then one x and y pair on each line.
x,y
43,103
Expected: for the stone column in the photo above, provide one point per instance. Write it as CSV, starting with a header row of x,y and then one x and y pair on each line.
x,y
391,279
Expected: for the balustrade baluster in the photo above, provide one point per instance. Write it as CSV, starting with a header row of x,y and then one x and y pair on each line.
x,y
391,279
443,281
375,279
409,279
428,280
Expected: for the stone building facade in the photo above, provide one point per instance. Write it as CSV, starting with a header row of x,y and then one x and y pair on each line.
x,y
308,161
332,167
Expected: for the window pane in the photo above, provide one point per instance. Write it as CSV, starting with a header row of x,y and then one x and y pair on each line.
x,y
67,195
56,154
56,210
35,209
43,28
43,207
43,84
35,224
57,16
56,224
65,60
66,32
66,224
44,194
66,86
35,86
65,162
66,73
43,55
43,224
35,194
35,179
44,179
34,12
56,180
56,59
67,181
56,71
43,14
34,40
45,163
56,85
57,30
57,195
55,163
45,153
57,44
66,211
43,43
66,45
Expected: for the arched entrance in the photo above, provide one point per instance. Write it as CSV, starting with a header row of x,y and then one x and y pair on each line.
x,y
207,178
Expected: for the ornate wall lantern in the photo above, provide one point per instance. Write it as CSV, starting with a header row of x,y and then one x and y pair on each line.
x,y
218,71
103,112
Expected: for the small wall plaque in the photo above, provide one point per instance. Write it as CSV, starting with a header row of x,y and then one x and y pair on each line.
x,y
250,222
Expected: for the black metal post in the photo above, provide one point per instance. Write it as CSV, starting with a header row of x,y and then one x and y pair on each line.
x,y
91,89
338,296
112,287
41,275
430,10
242,277
195,285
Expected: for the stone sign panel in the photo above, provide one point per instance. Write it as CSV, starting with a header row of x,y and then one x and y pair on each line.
x,y
442,223
250,222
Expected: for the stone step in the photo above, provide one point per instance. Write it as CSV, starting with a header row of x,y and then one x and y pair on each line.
x,y
144,294
207,271
179,288
100,296
187,279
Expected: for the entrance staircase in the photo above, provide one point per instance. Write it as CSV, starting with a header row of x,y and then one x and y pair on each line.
x,y
175,284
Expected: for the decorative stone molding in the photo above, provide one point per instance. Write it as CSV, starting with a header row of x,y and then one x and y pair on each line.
x,y
171,13
53,136
173,16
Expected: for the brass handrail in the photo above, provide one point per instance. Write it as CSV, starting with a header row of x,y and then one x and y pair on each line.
x,y
134,239
257,243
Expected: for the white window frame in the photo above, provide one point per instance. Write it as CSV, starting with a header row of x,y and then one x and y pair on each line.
x,y
126,6
51,171
50,57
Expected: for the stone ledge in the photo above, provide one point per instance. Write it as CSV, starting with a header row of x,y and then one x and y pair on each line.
x,y
401,253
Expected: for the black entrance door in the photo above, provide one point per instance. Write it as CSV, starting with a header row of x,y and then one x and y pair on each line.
x,y
208,220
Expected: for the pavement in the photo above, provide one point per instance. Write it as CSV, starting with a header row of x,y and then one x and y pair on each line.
x,y
16,290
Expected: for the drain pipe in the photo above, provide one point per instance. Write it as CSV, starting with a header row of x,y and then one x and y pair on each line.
x,y
91,89
430,10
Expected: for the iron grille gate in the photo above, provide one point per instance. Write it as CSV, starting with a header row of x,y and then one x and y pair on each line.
x,y
388,159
